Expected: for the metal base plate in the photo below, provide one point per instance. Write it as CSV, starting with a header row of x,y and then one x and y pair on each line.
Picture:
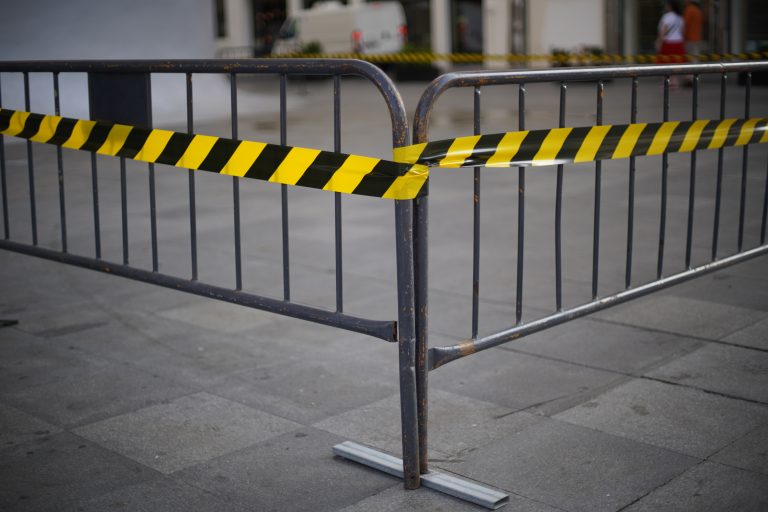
x,y
445,483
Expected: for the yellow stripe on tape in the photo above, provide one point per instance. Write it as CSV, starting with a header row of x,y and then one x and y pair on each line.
x,y
16,126
409,154
47,129
747,129
242,159
294,165
115,140
591,143
351,173
80,134
721,134
692,136
198,149
628,140
661,140
507,149
408,185
459,151
154,145
552,145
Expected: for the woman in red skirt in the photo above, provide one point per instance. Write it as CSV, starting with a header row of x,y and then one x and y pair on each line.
x,y
670,44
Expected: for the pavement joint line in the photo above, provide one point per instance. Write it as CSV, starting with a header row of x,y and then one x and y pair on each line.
x,y
660,486
688,336
709,392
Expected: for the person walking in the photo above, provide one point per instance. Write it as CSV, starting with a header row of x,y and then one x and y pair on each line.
x,y
670,43
693,19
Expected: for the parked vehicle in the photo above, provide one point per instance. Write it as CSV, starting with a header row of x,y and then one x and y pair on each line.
x,y
370,28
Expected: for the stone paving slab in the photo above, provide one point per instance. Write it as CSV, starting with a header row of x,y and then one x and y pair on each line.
x,y
54,472
457,424
597,344
67,388
688,317
709,487
295,471
733,371
574,468
750,452
189,430
753,336
396,499
160,494
681,419
18,427
517,380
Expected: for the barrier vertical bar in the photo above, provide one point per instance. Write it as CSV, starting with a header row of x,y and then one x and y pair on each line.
x,y
235,185
631,198
337,195
95,190
664,180
421,309
719,185
692,184
152,200
60,166
745,159
476,222
765,209
284,194
30,167
191,174
407,344
3,183
559,213
520,213
598,186
124,208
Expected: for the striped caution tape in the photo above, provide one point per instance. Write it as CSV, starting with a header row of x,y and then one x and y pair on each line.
x,y
580,59
403,178
585,144
326,170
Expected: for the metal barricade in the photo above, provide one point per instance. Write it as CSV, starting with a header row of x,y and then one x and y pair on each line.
x,y
107,104
594,81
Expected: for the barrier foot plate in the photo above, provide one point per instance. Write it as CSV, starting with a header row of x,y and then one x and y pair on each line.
x,y
442,482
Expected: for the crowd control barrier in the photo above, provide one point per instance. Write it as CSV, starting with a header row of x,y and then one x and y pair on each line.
x,y
128,134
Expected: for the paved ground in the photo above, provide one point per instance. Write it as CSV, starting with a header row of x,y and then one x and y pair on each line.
x,y
116,395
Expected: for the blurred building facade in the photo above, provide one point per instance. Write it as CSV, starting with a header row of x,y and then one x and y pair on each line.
x,y
521,26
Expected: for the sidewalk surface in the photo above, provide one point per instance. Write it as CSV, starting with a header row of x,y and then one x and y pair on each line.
x,y
118,395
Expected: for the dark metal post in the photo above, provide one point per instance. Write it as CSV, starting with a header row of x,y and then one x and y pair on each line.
x,y
60,165
337,195
192,206
692,185
598,187
631,199
476,225
407,344
30,167
520,214
745,160
664,180
719,189
3,184
559,214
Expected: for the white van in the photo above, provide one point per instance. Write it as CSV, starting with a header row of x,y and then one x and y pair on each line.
x,y
377,27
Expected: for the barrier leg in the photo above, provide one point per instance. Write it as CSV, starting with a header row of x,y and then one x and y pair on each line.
x,y
420,226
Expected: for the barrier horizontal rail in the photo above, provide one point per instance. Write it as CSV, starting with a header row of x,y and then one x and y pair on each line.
x,y
401,179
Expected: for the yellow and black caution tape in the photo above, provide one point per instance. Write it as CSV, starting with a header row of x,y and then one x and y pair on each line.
x,y
403,178
576,59
585,144
326,170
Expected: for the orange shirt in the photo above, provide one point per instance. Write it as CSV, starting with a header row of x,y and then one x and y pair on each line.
x,y
693,19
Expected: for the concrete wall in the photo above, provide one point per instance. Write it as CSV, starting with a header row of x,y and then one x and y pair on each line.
x,y
98,29
565,24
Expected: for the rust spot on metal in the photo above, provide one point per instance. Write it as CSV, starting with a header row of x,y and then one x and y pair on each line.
x,y
466,348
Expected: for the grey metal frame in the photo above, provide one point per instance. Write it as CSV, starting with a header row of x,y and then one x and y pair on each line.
x,y
400,331
432,358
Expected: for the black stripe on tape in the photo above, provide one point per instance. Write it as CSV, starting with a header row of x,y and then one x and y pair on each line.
x,y
5,119
219,155
134,142
175,148
96,138
267,162
63,131
573,143
31,126
322,169
377,182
